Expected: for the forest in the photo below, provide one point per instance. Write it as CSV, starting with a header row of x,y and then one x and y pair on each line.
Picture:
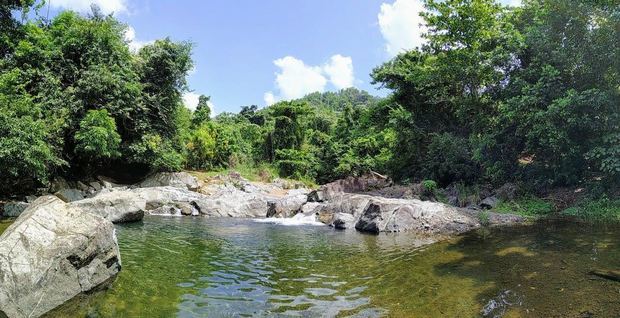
x,y
528,95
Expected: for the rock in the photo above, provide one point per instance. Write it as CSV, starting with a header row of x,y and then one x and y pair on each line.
x,y
51,254
343,221
187,209
325,216
396,215
171,179
311,208
489,202
96,185
83,187
507,192
31,198
14,209
316,196
70,195
58,184
117,206
166,210
108,183
354,185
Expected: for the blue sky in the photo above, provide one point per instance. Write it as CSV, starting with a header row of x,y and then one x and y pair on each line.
x,y
258,52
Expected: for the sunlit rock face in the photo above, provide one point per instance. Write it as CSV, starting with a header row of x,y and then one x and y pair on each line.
x,y
53,252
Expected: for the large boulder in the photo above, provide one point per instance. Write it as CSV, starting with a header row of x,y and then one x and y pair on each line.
x,y
396,215
116,206
13,209
51,254
171,179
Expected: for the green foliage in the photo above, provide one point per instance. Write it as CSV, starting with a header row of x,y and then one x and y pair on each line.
x,y
97,137
156,152
449,158
484,218
527,206
430,186
603,209
203,111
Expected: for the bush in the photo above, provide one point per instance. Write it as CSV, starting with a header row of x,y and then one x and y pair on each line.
x,y
157,153
597,210
449,159
97,137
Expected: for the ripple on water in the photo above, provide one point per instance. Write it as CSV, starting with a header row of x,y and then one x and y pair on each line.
x,y
195,267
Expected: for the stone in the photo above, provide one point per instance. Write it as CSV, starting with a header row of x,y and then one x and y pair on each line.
x,y
311,208
108,183
116,206
51,254
507,192
316,196
343,221
166,210
70,195
14,209
489,202
82,186
58,184
96,185
171,179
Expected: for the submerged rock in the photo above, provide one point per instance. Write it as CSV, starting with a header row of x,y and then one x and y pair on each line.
x,y
116,206
53,252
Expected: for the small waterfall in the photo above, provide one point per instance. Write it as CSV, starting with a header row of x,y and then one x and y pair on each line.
x,y
297,219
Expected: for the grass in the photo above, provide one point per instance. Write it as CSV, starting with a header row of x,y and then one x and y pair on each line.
x,y
603,210
530,207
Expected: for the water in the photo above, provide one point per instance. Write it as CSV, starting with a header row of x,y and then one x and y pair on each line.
x,y
196,267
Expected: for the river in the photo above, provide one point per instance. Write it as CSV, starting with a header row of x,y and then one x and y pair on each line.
x,y
196,267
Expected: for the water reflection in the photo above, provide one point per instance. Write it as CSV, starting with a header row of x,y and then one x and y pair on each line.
x,y
197,267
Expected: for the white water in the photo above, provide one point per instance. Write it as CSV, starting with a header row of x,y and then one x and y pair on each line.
x,y
298,219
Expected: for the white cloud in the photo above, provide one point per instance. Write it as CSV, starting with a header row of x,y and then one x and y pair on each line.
x,y
401,25
295,79
106,6
340,71
134,44
190,100
269,98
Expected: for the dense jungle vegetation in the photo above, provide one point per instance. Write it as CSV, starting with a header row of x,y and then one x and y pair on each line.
x,y
497,94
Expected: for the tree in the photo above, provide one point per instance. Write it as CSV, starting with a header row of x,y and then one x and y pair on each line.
x,y
203,111
97,138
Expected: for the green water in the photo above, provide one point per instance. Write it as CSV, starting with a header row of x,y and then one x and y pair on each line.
x,y
197,267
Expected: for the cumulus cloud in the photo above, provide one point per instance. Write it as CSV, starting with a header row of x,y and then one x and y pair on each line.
x,y
295,79
340,71
134,44
401,25
106,6
190,100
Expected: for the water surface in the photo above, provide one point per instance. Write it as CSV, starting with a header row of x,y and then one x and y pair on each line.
x,y
197,267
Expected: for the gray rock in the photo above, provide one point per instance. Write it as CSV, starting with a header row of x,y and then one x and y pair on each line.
x,y
108,183
311,208
166,210
31,198
507,192
70,195
51,254
116,206
58,184
489,203
96,185
171,179
14,209
82,186
343,221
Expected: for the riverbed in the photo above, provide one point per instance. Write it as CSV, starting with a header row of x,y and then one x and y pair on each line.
x,y
196,267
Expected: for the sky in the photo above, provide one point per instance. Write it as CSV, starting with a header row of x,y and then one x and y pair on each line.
x,y
249,52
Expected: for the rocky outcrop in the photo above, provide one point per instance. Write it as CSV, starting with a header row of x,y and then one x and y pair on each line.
x,y
116,206
171,179
352,185
377,214
53,252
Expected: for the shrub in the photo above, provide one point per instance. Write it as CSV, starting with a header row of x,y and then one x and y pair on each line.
x,y
449,159
97,137
597,210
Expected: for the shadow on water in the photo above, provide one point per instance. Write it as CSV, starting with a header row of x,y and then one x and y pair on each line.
x,y
540,270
